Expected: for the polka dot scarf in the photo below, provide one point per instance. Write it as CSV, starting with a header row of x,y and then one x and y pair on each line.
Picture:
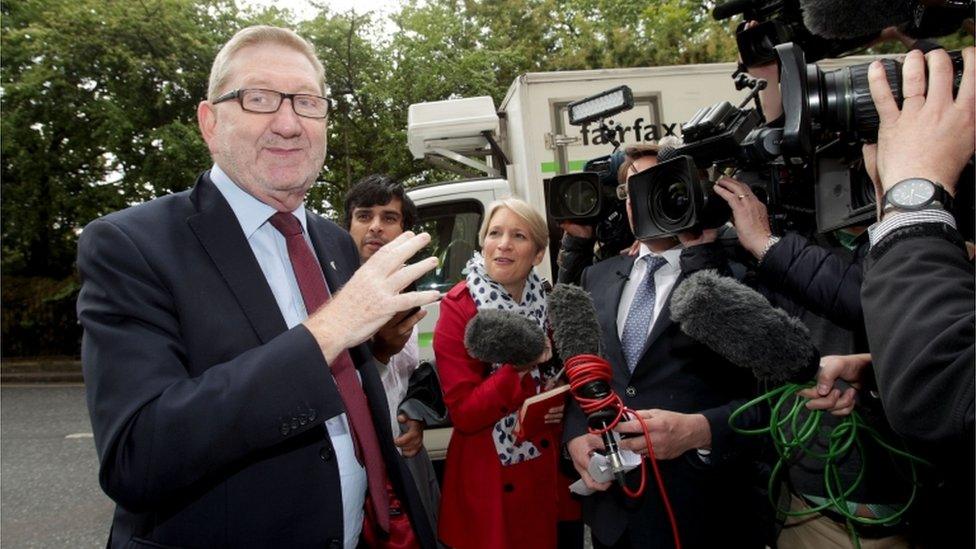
x,y
488,294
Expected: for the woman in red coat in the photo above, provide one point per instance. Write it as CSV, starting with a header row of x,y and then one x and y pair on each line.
x,y
498,491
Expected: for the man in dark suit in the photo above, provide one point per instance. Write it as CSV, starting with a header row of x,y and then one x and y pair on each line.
x,y
683,393
232,399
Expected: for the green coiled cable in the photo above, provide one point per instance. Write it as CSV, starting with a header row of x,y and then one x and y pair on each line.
x,y
792,428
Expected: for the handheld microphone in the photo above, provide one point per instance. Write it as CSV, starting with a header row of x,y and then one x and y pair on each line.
x,y
576,332
739,324
497,336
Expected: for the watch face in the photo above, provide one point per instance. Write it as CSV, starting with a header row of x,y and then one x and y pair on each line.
x,y
912,192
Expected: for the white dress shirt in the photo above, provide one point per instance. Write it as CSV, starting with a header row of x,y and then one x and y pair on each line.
x,y
664,280
396,376
271,252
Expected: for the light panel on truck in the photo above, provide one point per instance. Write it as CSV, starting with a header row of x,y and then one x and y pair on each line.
x,y
601,105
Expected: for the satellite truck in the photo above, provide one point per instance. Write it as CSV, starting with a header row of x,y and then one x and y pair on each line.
x,y
540,131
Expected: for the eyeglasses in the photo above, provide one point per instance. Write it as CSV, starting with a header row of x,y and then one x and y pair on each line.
x,y
269,101
622,188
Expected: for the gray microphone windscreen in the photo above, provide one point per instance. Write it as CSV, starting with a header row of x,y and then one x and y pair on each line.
x,y
854,18
575,329
739,324
504,337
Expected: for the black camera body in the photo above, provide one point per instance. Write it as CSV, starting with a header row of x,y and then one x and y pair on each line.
x,y
809,172
780,21
678,193
828,116
584,197
673,197
590,198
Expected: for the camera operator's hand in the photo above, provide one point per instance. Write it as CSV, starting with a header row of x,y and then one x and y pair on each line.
x,y
672,433
894,34
749,215
932,136
576,229
697,238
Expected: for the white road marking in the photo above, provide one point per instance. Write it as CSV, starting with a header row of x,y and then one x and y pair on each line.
x,y
80,435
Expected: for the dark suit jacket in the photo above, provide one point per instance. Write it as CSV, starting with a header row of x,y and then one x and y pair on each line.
x,y
207,412
712,502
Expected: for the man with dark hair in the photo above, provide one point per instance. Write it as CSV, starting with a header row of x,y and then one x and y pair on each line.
x,y
378,194
377,210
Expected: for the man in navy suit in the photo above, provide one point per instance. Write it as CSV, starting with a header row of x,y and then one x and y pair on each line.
x,y
682,392
211,363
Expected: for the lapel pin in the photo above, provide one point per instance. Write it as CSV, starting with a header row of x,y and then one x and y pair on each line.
x,y
332,264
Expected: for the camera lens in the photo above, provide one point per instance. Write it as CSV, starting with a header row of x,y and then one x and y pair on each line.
x,y
840,100
581,197
675,201
670,205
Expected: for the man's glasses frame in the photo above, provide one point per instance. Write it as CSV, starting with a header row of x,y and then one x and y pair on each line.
x,y
240,94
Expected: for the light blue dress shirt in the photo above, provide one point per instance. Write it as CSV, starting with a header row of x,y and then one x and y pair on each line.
x,y
272,254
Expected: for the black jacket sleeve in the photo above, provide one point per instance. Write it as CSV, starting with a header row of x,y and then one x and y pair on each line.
x,y
704,256
815,278
575,254
918,299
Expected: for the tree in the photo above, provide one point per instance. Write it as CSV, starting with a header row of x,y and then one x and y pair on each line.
x,y
98,101
362,136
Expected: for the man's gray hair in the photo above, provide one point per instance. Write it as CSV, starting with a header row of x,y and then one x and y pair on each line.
x,y
259,34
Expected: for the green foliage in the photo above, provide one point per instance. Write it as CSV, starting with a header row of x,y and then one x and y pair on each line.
x,y
99,101
38,316
99,97
363,127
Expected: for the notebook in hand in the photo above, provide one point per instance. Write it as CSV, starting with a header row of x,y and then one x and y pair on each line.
x,y
532,415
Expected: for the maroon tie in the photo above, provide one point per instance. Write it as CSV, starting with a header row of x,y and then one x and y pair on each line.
x,y
315,294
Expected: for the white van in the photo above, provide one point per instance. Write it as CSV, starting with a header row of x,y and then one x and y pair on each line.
x,y
515,149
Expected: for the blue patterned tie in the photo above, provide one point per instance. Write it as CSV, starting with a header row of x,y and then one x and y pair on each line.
x,y
640,314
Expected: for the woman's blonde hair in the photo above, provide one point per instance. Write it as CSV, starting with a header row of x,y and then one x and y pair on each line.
x,y
538,231
259,34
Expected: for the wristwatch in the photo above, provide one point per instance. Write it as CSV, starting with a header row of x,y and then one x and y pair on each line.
x,y
915,194
773,239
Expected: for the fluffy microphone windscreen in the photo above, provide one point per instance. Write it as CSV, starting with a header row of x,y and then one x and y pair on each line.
x,y
497,336
854,18
575,329
739,324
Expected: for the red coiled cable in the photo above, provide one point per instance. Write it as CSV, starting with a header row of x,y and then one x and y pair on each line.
x,y
583,369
